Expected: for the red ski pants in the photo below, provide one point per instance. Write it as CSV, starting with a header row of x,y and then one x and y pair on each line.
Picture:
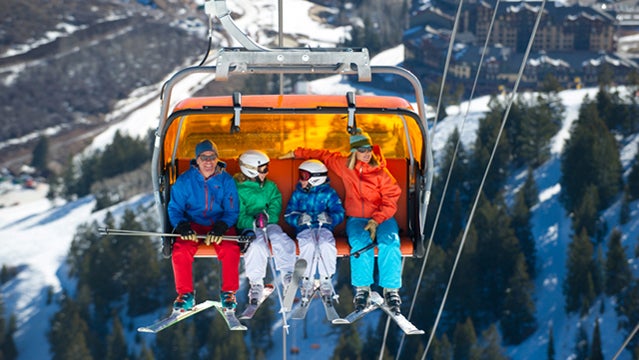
x,y
228,252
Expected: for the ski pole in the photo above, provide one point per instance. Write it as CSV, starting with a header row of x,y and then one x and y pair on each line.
x,y
120,232
373,243
277,287
365,248
323,262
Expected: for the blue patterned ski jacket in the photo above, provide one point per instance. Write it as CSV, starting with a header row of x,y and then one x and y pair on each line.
x,y
317,199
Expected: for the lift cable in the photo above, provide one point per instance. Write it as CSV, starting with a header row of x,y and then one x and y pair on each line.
x,y
483,181
450,170
625,343
449,54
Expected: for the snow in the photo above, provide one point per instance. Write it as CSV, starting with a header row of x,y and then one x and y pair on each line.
x,y
35,233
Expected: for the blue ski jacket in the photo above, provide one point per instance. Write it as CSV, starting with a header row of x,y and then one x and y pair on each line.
x,y
203,201
317,199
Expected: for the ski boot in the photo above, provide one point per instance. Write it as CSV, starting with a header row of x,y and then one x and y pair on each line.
x,y
361,298
393,300
228,300
255,293
326,289
184,302
306,291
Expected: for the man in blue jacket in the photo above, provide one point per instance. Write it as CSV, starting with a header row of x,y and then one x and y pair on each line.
x,y
204,200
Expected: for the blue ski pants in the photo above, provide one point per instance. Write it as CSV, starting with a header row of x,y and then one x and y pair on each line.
x,y
389,254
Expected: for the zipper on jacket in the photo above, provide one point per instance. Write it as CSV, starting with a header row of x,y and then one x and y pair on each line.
x,y
360,190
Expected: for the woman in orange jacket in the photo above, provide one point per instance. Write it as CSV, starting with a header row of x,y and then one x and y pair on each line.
x,y
371,195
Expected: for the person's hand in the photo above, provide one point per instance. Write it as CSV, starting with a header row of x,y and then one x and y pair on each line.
x,y
304,220
185,231
371,227
324,218
261,220
215,235
288,155
245,240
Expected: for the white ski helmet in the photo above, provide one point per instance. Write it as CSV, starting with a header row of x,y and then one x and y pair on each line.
x,y
314,171
251,160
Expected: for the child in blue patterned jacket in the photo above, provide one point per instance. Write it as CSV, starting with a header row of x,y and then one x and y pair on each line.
x,y
313,210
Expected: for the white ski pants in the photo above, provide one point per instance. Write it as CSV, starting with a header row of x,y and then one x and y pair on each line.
x,y
317,247
257,255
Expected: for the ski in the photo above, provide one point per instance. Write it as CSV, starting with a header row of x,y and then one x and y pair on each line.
x,y
229,317
176,317
401,321
329,308
291,290
375,303
302,309
251,309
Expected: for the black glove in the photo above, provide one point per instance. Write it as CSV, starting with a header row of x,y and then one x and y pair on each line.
x,y
215,235
245,239
185,231
219,228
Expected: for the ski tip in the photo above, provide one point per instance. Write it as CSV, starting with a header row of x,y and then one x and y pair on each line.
x,y
340,321
145,329
416,332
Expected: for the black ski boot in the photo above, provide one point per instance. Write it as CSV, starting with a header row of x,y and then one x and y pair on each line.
x,y
393,301
361,299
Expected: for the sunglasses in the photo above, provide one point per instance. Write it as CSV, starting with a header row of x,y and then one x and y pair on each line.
x,y
208,157
263,169
364,149
306,175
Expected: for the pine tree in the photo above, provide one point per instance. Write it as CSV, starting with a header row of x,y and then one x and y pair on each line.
x,y
595,350
628,309
349,346
518,320
523,231
550,352
529,190
9,350
145,353
491,348
441,349
590,158
465,341
40,156
140,266
530,126
467,285
618,273
578,287
116,343
585,215
581,344
455,192
497,253
624,211
486,137
633,180
67,338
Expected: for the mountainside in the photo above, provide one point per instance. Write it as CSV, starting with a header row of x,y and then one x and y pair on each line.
x,y
65,65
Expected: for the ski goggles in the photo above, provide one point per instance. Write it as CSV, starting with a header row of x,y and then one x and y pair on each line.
x,y
208,157
263,169
364,149
305,175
